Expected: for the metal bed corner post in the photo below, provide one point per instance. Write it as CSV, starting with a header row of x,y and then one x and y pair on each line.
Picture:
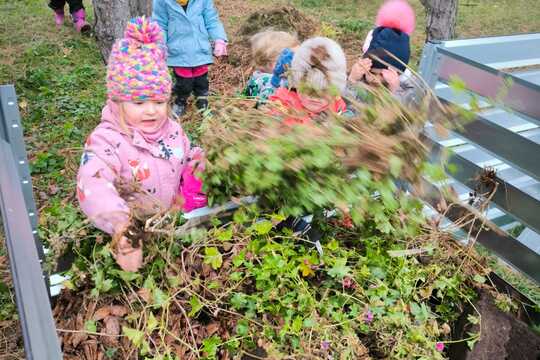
x,y
24,249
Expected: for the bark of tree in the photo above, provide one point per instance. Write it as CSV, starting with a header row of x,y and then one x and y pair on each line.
x,y
111,17
441,19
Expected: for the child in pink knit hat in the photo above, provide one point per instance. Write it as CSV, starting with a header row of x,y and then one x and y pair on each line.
x,y
137,143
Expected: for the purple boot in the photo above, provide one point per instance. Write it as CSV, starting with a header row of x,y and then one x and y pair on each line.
x,y
59,17
79,21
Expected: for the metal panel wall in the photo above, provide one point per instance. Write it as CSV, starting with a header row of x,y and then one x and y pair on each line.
x,y
34,308
503,133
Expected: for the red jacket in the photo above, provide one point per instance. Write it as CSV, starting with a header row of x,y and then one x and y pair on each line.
x,y
300,109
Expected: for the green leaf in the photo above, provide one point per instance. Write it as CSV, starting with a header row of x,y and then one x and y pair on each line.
x,y
242,328
90,325
277,218
333,245
127,276
470,343
457,84
107,285
174,281
435,172
479,278
395,166
238,300
149,283
145,347
236,276
134,335
340,269
225,235
210,346
240,216
309,323
67,283
420,312
160,298
262,227
151,323
297,325
213,257
239,259
196,306
305,269
473,319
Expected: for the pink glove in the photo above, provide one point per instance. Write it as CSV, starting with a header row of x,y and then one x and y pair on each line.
x,y
220,48
191,191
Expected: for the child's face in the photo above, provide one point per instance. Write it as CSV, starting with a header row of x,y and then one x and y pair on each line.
x,y
147,116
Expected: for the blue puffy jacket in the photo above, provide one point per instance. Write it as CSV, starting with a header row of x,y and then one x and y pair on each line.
x,y
188,33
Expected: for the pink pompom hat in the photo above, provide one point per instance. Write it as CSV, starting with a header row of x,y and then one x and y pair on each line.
x,y
137,68
396,14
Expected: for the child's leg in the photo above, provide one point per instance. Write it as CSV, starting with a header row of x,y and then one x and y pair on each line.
x,y
75,5
183,87
57,5
58,8
76,9
200,89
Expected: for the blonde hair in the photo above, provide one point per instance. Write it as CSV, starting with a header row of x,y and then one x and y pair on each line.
x,y
122,118
267,45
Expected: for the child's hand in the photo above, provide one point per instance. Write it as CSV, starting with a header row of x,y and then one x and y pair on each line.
x,y
391,77
128,257
220,48
360,69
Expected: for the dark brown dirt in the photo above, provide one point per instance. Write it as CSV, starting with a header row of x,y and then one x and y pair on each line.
x,y
503,336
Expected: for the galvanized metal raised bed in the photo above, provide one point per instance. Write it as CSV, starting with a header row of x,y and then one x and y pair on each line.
x,y
505,135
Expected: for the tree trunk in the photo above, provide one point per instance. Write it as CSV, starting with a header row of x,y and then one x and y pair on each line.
x,y
111,17
441,19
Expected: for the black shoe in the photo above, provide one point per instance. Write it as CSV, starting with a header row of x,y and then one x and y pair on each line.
x,y
178,109
202,103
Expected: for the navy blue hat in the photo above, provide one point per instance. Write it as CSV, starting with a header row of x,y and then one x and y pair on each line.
x,y
392,40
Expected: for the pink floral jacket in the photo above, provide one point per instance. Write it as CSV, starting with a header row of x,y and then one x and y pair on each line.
x,y
155,161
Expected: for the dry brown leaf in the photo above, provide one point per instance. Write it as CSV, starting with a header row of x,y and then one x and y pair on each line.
x,y
112,328
180,351
212,328
119,310
90,350
102,313
145,294
79,336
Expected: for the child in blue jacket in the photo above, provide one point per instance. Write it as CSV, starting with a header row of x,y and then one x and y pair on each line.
x,y
188,27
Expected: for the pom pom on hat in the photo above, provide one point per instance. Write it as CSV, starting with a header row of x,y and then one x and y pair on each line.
x,y
144,31
137,68
396,14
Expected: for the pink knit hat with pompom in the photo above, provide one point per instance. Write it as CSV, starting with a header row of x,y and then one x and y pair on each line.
x,y
396,14
137,69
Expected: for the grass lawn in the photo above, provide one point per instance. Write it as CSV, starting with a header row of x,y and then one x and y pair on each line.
x,y
59,79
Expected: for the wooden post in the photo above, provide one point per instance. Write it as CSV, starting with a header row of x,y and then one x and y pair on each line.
x,y
441,19
111,17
